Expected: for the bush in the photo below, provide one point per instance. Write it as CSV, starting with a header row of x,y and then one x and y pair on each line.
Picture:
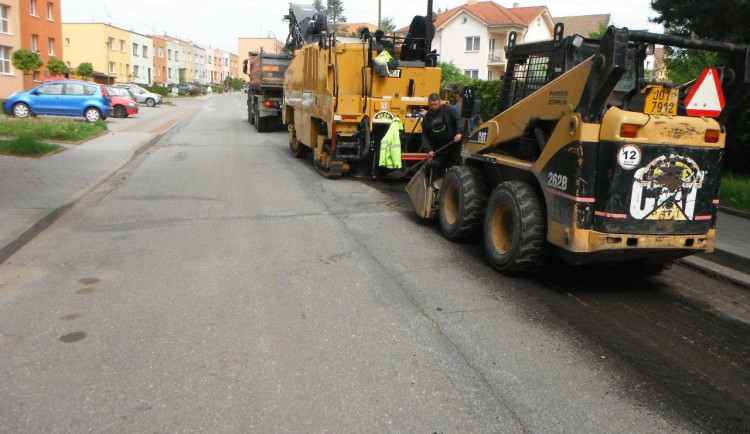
x,y
161,90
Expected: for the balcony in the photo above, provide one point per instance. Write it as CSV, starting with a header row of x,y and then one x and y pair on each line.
x,y
496,57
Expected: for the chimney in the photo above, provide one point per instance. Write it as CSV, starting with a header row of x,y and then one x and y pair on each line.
x,y
516,5
471,2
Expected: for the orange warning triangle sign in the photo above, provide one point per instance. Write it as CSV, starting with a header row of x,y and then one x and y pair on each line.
x,y
706,98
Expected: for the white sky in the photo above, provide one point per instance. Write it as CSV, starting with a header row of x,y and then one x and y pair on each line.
x,y
223,21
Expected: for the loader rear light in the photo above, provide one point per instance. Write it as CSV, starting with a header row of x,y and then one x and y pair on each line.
x,y
629,131
712,136
269,103
349,117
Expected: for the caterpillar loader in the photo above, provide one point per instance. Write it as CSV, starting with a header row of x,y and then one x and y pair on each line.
x,y
589,162
341,95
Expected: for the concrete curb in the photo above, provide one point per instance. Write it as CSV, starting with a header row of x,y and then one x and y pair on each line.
x,y
717,270
55,213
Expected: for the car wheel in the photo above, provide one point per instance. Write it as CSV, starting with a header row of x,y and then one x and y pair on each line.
x,y
21,110
150,102
119,112
92,114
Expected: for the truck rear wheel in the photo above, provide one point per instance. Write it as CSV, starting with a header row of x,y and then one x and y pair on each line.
x,y
463,197
250,114
515,229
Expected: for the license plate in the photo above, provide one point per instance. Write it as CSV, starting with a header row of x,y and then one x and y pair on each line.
x,y
661,101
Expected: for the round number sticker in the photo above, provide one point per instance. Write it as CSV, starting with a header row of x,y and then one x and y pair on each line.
x,y
629,157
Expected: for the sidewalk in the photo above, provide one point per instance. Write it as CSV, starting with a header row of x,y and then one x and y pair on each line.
x,y
34,193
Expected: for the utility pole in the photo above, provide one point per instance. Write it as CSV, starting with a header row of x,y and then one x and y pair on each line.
x,y
379,20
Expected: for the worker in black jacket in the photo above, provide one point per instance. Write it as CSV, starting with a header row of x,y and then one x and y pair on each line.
x,y
440,127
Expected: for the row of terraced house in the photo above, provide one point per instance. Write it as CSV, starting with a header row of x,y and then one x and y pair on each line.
x,y
117,55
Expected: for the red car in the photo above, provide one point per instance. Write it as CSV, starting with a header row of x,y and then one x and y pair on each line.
x,y
123,102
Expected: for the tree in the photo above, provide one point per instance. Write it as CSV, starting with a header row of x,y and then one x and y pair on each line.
x,y
721,20
387,25
452,74
334,10
57,67
84,70
26,61
599,33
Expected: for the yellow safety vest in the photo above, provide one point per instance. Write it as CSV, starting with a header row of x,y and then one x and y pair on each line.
x,y
390,146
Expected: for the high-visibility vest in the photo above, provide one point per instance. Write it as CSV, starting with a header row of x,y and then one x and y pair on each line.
x,y
390,146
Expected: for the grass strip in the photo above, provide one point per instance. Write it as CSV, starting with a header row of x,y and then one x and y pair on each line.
x,y
51,129
26,146
735,191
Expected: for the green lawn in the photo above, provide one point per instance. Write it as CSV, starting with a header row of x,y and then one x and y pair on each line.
x,y
735,192
26,146
67,130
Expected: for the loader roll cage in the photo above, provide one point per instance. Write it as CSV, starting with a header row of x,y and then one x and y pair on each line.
x,y
618,74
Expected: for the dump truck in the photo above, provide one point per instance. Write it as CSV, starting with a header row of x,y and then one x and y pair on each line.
x,y
265,90
342,95
589,162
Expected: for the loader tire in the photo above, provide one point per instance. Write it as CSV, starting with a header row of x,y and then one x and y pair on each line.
x,y
463,197
515,229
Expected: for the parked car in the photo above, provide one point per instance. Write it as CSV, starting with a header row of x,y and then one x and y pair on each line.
x,y
142,95
124,103
187,88
62,98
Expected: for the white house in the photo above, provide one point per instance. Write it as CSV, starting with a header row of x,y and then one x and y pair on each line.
x,y
474,35
142,59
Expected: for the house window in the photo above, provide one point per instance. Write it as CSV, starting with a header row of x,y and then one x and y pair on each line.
x,y
111,67
67,41
135,70
169,71
4,60
4,28
111,43
49,11
51,46
122,46
161,53
35,43
135,49
489,75
472,73
145,51
32,4
169,54
35,76
472,43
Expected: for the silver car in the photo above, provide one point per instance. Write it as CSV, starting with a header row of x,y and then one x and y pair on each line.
x,y
142,96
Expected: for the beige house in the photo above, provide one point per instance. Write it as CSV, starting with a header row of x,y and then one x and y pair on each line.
x,y
245,45
106,47
11,79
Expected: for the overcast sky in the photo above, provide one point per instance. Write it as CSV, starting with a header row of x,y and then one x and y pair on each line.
x,y
223,21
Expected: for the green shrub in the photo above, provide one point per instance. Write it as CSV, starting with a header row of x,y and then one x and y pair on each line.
x,y
161,90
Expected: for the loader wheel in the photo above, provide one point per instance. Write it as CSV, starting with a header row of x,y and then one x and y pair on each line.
x,y
515,229
463,197
297,149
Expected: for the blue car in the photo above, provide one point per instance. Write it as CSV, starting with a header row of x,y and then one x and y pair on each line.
x,y
62,98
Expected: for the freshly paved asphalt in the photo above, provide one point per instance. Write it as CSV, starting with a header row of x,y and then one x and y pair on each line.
x,y
35,192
